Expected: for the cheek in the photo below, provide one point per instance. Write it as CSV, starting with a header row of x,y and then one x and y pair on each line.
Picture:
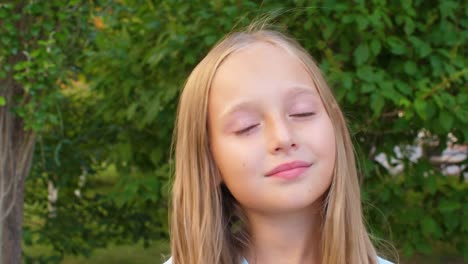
x,y
329,143
235,159
327,135
323,142
240,167
329,151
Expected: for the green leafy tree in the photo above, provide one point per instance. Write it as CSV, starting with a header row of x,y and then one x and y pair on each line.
x,y
37,39
398,69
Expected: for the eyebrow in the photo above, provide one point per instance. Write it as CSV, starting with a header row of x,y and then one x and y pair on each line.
x,y
294,92
303,89
238,107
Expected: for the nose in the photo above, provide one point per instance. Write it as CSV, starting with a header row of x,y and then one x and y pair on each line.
x,y
281,138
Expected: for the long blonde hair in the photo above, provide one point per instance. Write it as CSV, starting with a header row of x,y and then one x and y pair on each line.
x,y
203,214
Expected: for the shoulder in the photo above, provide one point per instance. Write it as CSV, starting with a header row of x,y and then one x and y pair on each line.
x,y
169,261
383,261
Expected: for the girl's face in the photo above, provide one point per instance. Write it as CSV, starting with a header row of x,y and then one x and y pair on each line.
x,y
269,133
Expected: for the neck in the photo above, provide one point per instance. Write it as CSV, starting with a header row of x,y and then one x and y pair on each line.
x,y
292,237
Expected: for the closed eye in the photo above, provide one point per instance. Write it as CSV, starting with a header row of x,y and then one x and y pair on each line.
x,y
245,130
303,114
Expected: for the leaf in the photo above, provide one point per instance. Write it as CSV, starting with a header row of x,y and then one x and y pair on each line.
x,y
397,46
409,26
2,101
210,40
421,47
448,8
365,73
410,67
389,92
351,96
408,249
367,88
461,114
346,19
5,40
403,87
448,100
328,31
156,156
361,54
424,247
462,98
438,101
3,13
446,120
340,94
375,47
446,205
347,80
130,191
451,222
131,110
428,226
362,22
420,107
377,103
385,194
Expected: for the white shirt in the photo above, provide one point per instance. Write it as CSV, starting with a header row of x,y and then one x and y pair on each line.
x,y
244,261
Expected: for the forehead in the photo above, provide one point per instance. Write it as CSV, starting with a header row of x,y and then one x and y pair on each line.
x,y
257,70
260,61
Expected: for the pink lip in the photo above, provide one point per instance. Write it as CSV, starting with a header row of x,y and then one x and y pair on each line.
x,y
289,170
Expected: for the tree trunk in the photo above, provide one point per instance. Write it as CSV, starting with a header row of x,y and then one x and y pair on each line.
x,y
16,152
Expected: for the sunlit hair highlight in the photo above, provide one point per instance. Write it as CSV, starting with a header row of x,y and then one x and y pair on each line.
x,y
203,213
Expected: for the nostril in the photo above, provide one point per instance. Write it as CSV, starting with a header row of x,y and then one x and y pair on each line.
x,y
285,147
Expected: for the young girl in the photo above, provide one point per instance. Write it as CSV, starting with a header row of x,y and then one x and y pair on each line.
x,y
264,165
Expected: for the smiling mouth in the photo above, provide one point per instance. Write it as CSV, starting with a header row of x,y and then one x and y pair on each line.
x,y
289,170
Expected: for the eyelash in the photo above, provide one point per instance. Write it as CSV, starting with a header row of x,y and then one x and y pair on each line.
x,y
247,129
304,114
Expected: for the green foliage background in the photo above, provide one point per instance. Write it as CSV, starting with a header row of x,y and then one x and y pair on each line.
x,y
396,67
